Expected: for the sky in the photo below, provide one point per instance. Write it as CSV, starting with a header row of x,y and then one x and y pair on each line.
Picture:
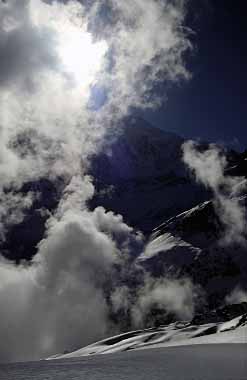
x,y
212,104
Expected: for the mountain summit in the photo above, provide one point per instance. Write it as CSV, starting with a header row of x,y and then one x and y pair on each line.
x,y
142,176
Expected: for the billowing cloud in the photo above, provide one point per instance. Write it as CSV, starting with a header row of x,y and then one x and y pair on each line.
x,y
175,296
64,299
209,168
59,302
52,54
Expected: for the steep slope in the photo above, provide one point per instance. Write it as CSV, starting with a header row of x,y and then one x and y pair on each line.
x,y
190,244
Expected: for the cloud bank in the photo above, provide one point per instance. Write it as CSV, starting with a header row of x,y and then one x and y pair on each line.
x,y
48,130
59,301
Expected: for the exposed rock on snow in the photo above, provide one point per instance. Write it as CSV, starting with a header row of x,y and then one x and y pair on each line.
x,y
174,334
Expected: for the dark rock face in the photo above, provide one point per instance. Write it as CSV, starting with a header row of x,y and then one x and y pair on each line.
x,y
219,315
222,314
197,253
190,245
21,239
141,175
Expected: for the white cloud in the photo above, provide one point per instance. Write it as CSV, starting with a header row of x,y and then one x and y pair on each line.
x,y
238,295
209,168
13,208
59,302
176,296
148,42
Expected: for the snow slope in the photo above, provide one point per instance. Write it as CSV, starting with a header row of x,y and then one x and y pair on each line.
x,y
175,334
188,245
201,362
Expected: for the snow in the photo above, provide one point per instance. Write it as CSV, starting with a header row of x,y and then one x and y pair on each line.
x,y
164,243
230,325
202,362
175,334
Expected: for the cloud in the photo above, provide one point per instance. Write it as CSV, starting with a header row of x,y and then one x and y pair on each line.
x,y
238,295
48,130
25,50
209,168
59,303
13,209
148,41
173,296
40,95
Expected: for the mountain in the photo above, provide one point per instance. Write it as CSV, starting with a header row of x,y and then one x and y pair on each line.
x,y
189,245
141,175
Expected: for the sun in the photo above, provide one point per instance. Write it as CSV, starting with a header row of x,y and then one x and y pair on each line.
x,y
80,56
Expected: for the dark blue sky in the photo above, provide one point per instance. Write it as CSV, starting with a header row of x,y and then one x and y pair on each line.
x,y
213,104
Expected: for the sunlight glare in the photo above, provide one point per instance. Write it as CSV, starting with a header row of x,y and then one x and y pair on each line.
x,y
81,56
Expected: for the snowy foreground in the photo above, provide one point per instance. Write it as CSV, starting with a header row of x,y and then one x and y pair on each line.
x,y
175,334
196,362
214,351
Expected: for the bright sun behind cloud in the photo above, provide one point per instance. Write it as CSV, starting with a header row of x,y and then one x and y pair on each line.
x,y
80,56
